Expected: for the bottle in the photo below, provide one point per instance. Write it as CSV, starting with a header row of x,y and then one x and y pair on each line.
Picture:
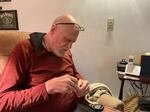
x,y
131,63
131,60
121,65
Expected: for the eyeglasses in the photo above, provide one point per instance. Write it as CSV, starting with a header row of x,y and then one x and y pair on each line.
x,y
76,26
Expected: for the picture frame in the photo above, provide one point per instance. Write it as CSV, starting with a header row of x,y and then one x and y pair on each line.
x,y
5,0
8,20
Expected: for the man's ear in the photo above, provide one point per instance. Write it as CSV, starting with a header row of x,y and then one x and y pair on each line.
x,y
53,27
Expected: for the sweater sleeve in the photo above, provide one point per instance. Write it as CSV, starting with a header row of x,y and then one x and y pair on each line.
x,y
13,77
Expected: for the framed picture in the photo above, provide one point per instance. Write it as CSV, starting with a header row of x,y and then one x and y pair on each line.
x,y
8,20
5,0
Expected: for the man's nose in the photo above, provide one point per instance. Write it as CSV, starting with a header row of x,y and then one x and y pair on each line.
x,y
69,45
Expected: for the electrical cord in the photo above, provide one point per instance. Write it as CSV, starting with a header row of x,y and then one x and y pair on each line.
x,y
138,86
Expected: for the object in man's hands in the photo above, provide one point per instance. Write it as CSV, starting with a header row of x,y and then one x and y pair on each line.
x,y
96,90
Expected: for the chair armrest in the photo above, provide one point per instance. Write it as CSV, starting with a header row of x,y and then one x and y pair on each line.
x,y
111,102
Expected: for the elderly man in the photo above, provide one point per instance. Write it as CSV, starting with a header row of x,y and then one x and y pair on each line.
x,y
40,75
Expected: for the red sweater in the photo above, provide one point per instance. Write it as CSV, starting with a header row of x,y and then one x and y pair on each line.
x,y
22,86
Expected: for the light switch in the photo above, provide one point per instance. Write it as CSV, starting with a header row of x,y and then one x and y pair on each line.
x,y
110,23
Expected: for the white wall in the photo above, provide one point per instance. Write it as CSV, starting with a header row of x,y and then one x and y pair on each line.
x,y
97,51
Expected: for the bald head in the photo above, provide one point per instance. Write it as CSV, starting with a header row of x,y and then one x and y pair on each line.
x,y
67,20
64,19
62,35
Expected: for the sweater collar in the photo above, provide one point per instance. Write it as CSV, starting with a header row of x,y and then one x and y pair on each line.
x,y
36,40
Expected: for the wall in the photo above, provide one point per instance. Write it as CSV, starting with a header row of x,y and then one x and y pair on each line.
x,y
97,51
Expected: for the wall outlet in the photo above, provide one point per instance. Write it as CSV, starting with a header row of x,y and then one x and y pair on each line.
x,y
110,23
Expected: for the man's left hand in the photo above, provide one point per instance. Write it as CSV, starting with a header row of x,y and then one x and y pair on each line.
x,y
83,87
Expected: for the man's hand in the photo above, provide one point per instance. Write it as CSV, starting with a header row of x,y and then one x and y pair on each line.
x,y
83,88
63,84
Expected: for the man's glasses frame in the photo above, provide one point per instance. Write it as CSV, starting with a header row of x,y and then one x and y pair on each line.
x,y
77,27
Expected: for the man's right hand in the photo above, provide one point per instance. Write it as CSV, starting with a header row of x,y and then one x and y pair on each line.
x,y
63,84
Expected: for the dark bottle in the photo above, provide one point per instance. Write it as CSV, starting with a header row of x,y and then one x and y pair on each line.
x,y
121,65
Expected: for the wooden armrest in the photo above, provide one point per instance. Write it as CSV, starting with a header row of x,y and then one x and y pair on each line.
x,y
111,102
